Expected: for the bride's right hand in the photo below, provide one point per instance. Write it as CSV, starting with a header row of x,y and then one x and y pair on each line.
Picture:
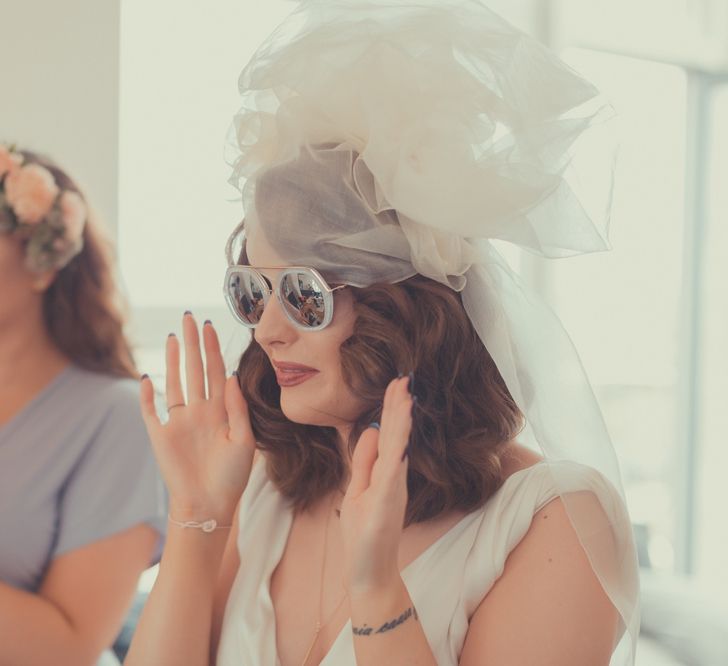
x,y
205,451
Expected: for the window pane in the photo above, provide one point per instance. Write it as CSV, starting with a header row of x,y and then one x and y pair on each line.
x,y
622,307
689,32
712,399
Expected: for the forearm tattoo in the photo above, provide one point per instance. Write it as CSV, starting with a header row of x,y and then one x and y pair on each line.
x,y
387,626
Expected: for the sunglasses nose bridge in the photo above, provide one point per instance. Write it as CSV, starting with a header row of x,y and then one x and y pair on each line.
x,y
274,325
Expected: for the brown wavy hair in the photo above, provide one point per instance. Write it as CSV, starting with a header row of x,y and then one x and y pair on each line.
x,y
83,309
462,420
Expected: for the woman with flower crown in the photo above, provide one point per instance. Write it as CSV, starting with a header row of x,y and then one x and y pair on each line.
x,y
412,468
81,503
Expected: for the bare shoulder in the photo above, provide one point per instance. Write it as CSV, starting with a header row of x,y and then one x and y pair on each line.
x,y
548,606
516,457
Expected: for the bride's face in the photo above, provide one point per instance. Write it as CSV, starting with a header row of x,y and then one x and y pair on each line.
x,y
315,394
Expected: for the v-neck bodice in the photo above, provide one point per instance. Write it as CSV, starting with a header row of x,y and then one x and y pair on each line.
x,y
417,562
465,562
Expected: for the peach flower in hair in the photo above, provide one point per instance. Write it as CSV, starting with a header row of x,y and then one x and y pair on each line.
x,y
30,192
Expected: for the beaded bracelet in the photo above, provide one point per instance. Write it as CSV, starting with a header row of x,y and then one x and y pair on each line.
x,y
206,525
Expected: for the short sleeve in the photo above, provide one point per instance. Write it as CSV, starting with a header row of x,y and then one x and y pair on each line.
x,y
508,514
116,483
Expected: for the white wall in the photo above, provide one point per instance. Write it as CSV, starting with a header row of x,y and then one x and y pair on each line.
x,y
59,89
528,15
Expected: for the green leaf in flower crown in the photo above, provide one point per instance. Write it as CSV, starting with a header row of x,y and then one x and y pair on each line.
x,y
39,252
54,218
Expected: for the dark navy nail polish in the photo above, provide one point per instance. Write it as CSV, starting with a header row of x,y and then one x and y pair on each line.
x,y
207,322
145,376
171,335
188,312
234,373
374,425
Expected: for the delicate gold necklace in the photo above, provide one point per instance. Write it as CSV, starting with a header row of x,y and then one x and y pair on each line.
x,y
319,625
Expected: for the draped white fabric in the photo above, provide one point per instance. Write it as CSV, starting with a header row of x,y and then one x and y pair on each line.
x,y
465,561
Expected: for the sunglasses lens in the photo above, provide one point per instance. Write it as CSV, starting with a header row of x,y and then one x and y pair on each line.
x,y
303,297
247,294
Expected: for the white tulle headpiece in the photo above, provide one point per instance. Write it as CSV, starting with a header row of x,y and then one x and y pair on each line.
x,y
378,140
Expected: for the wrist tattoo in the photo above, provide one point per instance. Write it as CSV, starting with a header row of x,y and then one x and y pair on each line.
x,y
387,626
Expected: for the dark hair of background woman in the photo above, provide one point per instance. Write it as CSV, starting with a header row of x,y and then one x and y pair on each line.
x,y
82,308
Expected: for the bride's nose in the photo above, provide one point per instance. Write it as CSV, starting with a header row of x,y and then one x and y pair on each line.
x,y
274,326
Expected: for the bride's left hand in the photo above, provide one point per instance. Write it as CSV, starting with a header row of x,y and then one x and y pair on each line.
x,y
373,509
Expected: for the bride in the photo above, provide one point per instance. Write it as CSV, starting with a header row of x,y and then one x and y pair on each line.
x,y
365,489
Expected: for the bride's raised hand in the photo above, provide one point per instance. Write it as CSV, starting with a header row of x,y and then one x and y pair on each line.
x,y
205,450
373,509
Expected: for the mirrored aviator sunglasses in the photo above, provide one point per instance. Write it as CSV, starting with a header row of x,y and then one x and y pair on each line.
x,y
304,295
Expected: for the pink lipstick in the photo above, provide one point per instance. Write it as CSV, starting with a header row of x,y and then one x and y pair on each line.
x,y
292,374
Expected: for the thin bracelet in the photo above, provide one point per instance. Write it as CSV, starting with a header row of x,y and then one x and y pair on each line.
x,y
206,525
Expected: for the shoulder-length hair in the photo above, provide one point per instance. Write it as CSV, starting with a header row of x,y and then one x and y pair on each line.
x,y
463,418
83,309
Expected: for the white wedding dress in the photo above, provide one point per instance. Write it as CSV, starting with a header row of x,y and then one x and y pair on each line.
x,y
465,562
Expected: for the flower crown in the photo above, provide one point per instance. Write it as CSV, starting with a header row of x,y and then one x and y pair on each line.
x,y
48,219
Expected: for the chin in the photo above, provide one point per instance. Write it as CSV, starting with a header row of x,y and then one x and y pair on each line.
x,y
330,413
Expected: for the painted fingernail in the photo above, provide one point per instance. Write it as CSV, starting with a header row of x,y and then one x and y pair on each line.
x,y
188,312
234,373
374,425
145,376
171,335
207,323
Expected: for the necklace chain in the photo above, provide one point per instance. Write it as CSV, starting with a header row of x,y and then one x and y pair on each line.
x,y
319,625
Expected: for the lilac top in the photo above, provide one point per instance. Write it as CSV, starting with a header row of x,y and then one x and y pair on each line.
x,y
76,466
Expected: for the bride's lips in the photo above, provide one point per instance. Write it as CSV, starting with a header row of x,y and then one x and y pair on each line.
x,y
292,374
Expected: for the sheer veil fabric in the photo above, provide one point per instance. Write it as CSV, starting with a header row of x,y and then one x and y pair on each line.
x,y
377,140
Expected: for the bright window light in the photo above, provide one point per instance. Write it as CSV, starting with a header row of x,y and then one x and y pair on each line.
x,y
622,307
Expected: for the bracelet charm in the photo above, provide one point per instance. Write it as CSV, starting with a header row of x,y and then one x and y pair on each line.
x,y
207,526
